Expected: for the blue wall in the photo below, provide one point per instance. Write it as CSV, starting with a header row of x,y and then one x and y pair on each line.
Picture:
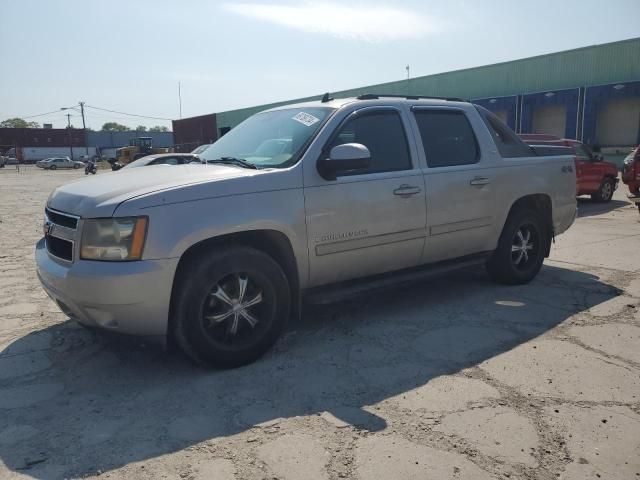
x,y
570,98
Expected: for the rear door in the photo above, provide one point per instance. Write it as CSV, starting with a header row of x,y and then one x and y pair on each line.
x,y
373,221
459,183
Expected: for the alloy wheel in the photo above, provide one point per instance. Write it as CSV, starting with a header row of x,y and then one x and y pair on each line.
x,y
524,247
234,311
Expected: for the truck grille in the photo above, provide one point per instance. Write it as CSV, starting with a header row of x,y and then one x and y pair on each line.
x,y
60,230
61,219
59,247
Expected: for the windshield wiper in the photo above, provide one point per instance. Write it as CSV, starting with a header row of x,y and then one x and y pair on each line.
x,y
240,162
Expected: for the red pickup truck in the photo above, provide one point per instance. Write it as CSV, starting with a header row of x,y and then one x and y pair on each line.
x,y
594,176
631,175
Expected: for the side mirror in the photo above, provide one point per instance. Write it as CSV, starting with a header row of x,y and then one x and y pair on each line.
x,y
598,157
348,157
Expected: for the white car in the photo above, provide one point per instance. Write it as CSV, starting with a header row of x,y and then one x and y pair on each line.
x,y
165,159
58,162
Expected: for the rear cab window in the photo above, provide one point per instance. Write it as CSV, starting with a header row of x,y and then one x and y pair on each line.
x,y
508,143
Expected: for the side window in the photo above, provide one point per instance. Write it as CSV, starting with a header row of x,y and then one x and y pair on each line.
x,y
582,153
508,143
383,134
447,138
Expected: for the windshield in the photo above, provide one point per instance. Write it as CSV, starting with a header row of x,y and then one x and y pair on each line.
x,y
270,139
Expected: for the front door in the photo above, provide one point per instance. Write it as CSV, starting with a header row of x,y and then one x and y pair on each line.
x,y
373,221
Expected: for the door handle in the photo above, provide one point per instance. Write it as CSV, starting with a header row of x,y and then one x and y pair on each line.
x,y
479,181
405,190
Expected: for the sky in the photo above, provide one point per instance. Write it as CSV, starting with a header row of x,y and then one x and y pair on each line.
x,y
129,55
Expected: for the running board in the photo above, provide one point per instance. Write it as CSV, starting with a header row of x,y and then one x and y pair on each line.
x,y
346,290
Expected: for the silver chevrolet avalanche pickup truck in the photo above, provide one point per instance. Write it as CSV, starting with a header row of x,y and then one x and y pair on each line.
x,y
298,200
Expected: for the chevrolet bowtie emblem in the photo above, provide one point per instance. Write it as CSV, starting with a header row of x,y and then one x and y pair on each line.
x,y
47,228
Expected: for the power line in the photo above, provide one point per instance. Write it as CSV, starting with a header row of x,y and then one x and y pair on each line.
x,y
129,114
42,114
46,113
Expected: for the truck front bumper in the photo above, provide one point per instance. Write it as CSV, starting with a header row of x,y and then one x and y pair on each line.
x,y
126,297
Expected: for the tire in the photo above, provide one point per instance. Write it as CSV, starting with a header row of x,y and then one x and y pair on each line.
x,y
52,167
605,192
516,267
76,166
208,302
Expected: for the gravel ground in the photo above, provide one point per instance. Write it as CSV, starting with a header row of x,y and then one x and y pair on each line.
x,y
456,378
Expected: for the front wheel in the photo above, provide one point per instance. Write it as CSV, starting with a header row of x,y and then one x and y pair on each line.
x,y
230,306
52,167
521,249
76,166
605,192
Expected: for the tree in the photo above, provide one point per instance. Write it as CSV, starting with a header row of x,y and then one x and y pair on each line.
x,y
141,128
158,128
18,123
114,127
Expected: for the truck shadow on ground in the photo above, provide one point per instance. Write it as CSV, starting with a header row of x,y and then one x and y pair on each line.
x,y
588,207
74,402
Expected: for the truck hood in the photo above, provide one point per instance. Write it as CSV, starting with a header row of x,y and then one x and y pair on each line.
x,y
100,195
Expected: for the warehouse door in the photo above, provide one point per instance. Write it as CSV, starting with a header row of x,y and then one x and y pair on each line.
x,y
618,123
551,120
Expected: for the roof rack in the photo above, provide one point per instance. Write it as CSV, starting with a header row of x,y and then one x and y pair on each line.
x,y
326,98
375,96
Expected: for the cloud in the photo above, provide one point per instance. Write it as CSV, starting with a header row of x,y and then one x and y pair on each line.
x,y
368,23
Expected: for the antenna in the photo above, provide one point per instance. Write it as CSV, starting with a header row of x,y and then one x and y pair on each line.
x,y
326,98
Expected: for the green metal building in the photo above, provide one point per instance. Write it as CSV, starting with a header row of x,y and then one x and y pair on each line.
x,y
590,93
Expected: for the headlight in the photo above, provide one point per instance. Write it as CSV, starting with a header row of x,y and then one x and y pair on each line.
x,y
113,239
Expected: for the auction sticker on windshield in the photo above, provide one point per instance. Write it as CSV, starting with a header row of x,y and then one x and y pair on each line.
x,y
305,119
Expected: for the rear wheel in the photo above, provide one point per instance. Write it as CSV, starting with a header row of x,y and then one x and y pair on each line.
x,y
230,306
605,192
521,249
52,167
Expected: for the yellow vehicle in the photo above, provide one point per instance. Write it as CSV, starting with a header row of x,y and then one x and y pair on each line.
x,y
138,147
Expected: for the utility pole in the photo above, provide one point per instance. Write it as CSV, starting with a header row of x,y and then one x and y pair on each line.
x,y
84,130
408,81
69,134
